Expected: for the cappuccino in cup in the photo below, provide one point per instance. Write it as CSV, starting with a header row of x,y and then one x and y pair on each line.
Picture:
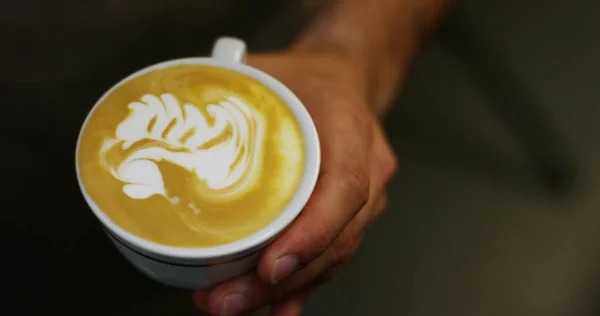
x,y
192,156
194,165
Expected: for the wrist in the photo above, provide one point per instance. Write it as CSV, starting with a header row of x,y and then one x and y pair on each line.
x,y
376,40
337,62
369,70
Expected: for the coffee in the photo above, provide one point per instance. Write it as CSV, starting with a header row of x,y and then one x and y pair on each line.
x,y
191,155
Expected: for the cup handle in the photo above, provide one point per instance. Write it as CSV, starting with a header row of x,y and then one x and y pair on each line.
x,y
229,49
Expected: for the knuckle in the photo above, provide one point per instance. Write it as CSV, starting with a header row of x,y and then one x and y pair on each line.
x,y
389,164
317,237
356,181
320,238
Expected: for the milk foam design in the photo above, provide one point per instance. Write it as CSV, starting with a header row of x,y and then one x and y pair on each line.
x,y
190,138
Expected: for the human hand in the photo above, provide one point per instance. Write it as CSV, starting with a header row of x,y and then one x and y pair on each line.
x,y
357,163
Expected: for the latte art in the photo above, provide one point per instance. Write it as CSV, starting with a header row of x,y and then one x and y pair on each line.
x,y
191,155
225,154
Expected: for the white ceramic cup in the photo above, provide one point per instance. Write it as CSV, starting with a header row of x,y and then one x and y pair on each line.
x,y
198,268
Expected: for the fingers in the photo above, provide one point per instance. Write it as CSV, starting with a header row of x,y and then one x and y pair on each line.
x,y
342,190
333,235
332,206
250,292
239,295
291,305
383,167
338,253
338,196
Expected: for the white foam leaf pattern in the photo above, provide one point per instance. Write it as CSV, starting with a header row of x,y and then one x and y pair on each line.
x,y
164,120
138,191
144,179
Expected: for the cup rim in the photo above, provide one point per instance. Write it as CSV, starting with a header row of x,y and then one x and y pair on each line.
x,y
265,234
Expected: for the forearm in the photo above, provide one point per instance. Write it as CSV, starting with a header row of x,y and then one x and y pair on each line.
x,y
378,37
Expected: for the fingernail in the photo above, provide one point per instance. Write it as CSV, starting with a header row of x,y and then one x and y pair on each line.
x,y
234,304
283,267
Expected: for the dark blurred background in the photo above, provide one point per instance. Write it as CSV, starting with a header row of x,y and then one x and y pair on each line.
x,y
496,206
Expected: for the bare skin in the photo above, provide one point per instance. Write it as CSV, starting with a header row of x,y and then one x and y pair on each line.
x,y
346,69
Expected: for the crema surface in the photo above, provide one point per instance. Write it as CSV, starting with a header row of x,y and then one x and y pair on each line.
x,y
192,156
